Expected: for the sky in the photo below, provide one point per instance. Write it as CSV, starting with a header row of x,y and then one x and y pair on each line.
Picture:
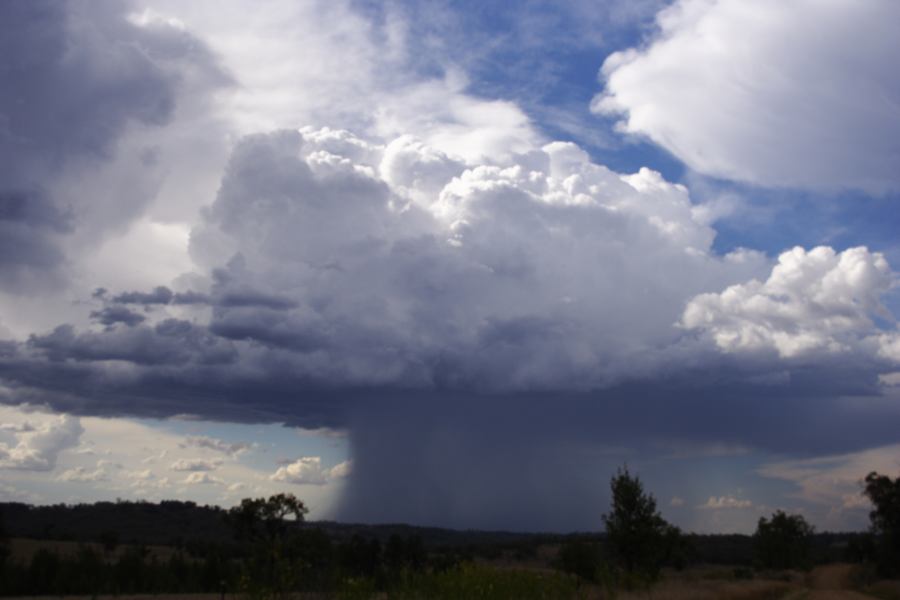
x,y
451,263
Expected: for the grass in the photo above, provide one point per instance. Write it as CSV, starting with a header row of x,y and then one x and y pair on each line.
x,y
484,582
713,590
22,549
886,590
480,582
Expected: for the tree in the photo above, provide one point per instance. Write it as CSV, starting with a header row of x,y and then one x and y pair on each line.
x,y
884,494
266,520
635,531
267,525
782,542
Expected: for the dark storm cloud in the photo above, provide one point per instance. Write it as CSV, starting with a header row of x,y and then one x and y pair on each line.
x,y
269,329
543,461
243,298
473,338
159,295
330,284
190,298
72,76
111,315
171,341
249,298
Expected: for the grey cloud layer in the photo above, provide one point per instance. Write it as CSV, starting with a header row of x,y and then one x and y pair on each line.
x,y
73,77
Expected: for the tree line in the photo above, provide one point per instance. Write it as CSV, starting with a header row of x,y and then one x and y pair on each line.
x,y
272,554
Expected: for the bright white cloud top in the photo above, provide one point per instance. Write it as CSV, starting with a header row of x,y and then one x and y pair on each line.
x,y
773,93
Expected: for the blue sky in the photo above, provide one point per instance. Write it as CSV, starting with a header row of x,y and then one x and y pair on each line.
x,y
484,255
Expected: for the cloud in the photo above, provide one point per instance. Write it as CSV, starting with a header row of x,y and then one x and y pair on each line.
x,y
308,470
532,275
115,75
111,315
771,93
159,295
145,475
676,501
82,475
433,305
202,478
232,449
815,302
195,464
835,482
17,427
725,502
38,449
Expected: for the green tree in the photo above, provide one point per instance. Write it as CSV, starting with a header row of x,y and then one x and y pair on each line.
x,y
782,542
636,533
884,493
269,526
259,519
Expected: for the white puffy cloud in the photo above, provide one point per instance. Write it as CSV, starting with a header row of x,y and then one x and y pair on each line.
x,y
82,475
813,302
308,470
38,449
775,93
232,449
144,475
725,502
195,464
202,478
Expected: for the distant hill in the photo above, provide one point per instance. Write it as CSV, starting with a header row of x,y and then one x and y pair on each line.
x,y
173,522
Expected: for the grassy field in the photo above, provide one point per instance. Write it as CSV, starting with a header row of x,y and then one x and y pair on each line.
x,y
23,550
534,578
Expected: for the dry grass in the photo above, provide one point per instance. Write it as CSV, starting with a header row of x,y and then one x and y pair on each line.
x,y
887,590
713,590
131,597
22,549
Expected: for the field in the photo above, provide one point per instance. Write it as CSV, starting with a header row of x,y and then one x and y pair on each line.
x,y
482,581
24,549
509,574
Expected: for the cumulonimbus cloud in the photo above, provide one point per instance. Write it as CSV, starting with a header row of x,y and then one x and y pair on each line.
x,y
331,267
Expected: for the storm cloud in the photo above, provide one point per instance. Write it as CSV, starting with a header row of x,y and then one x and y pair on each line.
x,y
75,76
341,279
491,316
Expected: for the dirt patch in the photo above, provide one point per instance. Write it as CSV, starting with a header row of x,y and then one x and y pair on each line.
x,y
833,582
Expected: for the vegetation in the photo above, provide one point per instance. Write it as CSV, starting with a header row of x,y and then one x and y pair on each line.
x,y
638,538
783,542
884,494
264,548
